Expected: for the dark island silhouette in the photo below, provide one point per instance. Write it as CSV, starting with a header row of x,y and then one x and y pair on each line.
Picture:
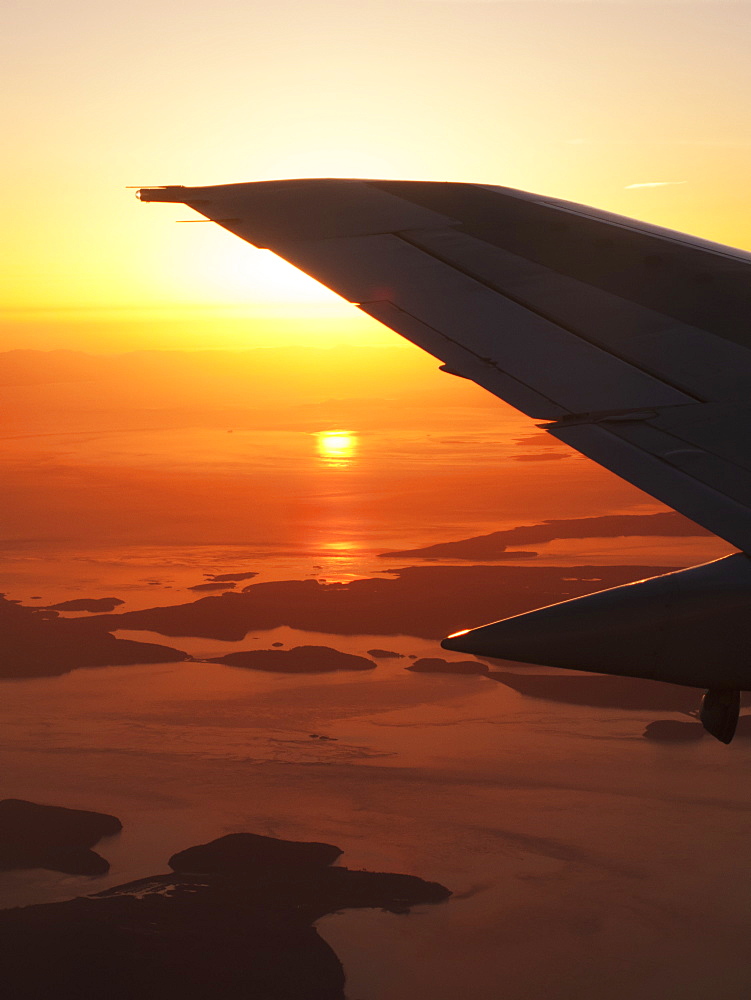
x,y
487,548
298,660
425,601
436,665
676,731
385,654
93,604
38,643
230,577
53,837
234,919
252,852
605,691
214,585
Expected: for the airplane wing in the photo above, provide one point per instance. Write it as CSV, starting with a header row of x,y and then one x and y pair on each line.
x,y
631,342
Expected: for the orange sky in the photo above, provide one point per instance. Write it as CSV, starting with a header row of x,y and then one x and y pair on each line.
x,y
581,100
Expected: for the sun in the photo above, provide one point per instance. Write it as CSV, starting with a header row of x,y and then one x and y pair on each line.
x,y
336,448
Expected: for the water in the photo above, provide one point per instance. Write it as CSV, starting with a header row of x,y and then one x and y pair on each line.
x,y
585,861
574,848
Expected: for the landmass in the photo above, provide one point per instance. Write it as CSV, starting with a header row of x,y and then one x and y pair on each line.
x,y
228,585
53,837
298,660
603,691
425,601
228,577
385,654
436,665
87,604
38,643
235,920
250,852
675,731
487,548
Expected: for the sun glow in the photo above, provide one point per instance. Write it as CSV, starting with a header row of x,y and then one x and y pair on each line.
x,y
336,448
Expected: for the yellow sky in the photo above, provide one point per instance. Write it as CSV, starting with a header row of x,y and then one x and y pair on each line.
x,y
641,108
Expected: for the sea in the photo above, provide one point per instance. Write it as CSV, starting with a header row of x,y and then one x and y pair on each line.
x,y
584,860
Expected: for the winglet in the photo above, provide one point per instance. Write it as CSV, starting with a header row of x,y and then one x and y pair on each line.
x,y
173,193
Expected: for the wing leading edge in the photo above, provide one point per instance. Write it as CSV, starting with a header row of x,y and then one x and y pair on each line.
x,y
631,342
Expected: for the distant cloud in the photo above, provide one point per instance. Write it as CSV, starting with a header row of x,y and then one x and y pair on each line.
x,y
653,184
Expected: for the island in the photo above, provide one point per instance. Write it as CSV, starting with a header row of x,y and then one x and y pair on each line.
x,y
234,919
425,601
93,604
229,577
492,547
298,660
603,691
674,731
38,643
53,837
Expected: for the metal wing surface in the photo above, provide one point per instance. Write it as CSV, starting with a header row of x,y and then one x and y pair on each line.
x,y
632,342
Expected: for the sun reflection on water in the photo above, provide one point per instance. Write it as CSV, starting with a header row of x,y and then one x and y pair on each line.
x,y
336,448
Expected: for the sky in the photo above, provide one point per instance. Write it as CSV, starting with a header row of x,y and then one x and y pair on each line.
x,y
141,474
640,108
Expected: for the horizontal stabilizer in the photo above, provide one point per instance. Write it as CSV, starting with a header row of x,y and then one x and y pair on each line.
x,y
691,627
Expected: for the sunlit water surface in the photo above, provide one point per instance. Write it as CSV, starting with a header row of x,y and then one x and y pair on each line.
x,y
584,860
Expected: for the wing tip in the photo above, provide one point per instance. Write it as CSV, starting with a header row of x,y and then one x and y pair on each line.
x,y
171,193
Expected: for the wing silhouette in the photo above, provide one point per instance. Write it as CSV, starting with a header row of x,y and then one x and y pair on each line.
x,y
631,342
